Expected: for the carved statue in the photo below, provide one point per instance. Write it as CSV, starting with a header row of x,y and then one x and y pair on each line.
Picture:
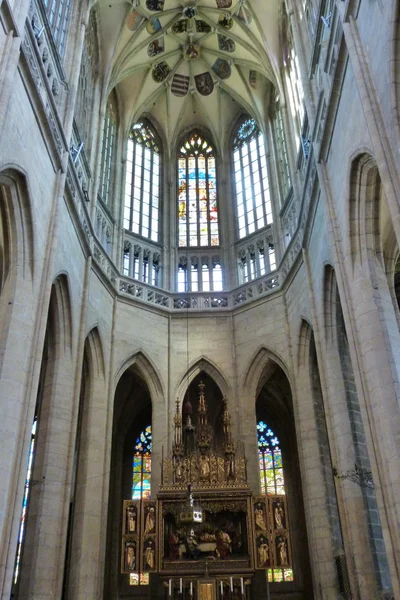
x,y
150,524
131,518
282,551
149,555
204,466
130,556
279,515
260,517
224,548
263,553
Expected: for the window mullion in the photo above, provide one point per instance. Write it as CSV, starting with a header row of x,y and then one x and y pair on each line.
x,y
133,175
197,201
261,179
141,192
246,216
150,193
208,202
187,202
252,185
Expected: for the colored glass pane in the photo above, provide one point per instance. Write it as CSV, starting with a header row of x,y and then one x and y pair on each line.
x,y
197,193
141,466
25,502
270,461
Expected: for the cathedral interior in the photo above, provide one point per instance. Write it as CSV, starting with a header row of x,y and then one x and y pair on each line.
x,y
199,299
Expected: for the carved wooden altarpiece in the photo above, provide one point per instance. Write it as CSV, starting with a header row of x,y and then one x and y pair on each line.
x,y
205,526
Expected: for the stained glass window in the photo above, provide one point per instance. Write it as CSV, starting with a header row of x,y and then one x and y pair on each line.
x,y
141,480
108,149
25,500
270,461
253,200
142,184
197,193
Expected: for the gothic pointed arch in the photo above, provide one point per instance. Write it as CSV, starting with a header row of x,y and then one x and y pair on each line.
x,y
206,365
17,256
61,312
95,352
305,335
140,363
260,367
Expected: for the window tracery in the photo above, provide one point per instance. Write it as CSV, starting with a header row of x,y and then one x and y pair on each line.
x,y
253,200
197,193
142,183
108,149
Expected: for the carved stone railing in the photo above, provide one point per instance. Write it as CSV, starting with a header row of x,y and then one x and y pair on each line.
x,y
289,218
79,162
144,293
104,226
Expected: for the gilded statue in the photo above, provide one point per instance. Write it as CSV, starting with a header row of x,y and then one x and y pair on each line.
x,y
263,553
150,523
279,515
282,551
260,517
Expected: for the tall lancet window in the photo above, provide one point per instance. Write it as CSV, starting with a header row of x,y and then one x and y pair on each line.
x,y
197,193
108,149
141,480
253,200
25,500
142,184
270,461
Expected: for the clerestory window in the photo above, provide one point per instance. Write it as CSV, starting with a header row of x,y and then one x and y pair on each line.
x,y
197,193
142,183
58,16
253,200
108,149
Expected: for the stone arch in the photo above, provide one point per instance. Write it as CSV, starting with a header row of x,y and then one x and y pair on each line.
x,y
208,366
94,352
368,219
259,369
16,248
329,303
85,505
16,211
145,368
305,334
60,312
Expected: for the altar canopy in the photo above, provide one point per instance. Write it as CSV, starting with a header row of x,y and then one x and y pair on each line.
x,y
205,535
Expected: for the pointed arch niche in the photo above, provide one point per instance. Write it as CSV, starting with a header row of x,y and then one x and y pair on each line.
x,y
213,396
130,475
280,473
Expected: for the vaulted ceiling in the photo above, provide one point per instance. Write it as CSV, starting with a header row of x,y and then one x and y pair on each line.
x,y
191,62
